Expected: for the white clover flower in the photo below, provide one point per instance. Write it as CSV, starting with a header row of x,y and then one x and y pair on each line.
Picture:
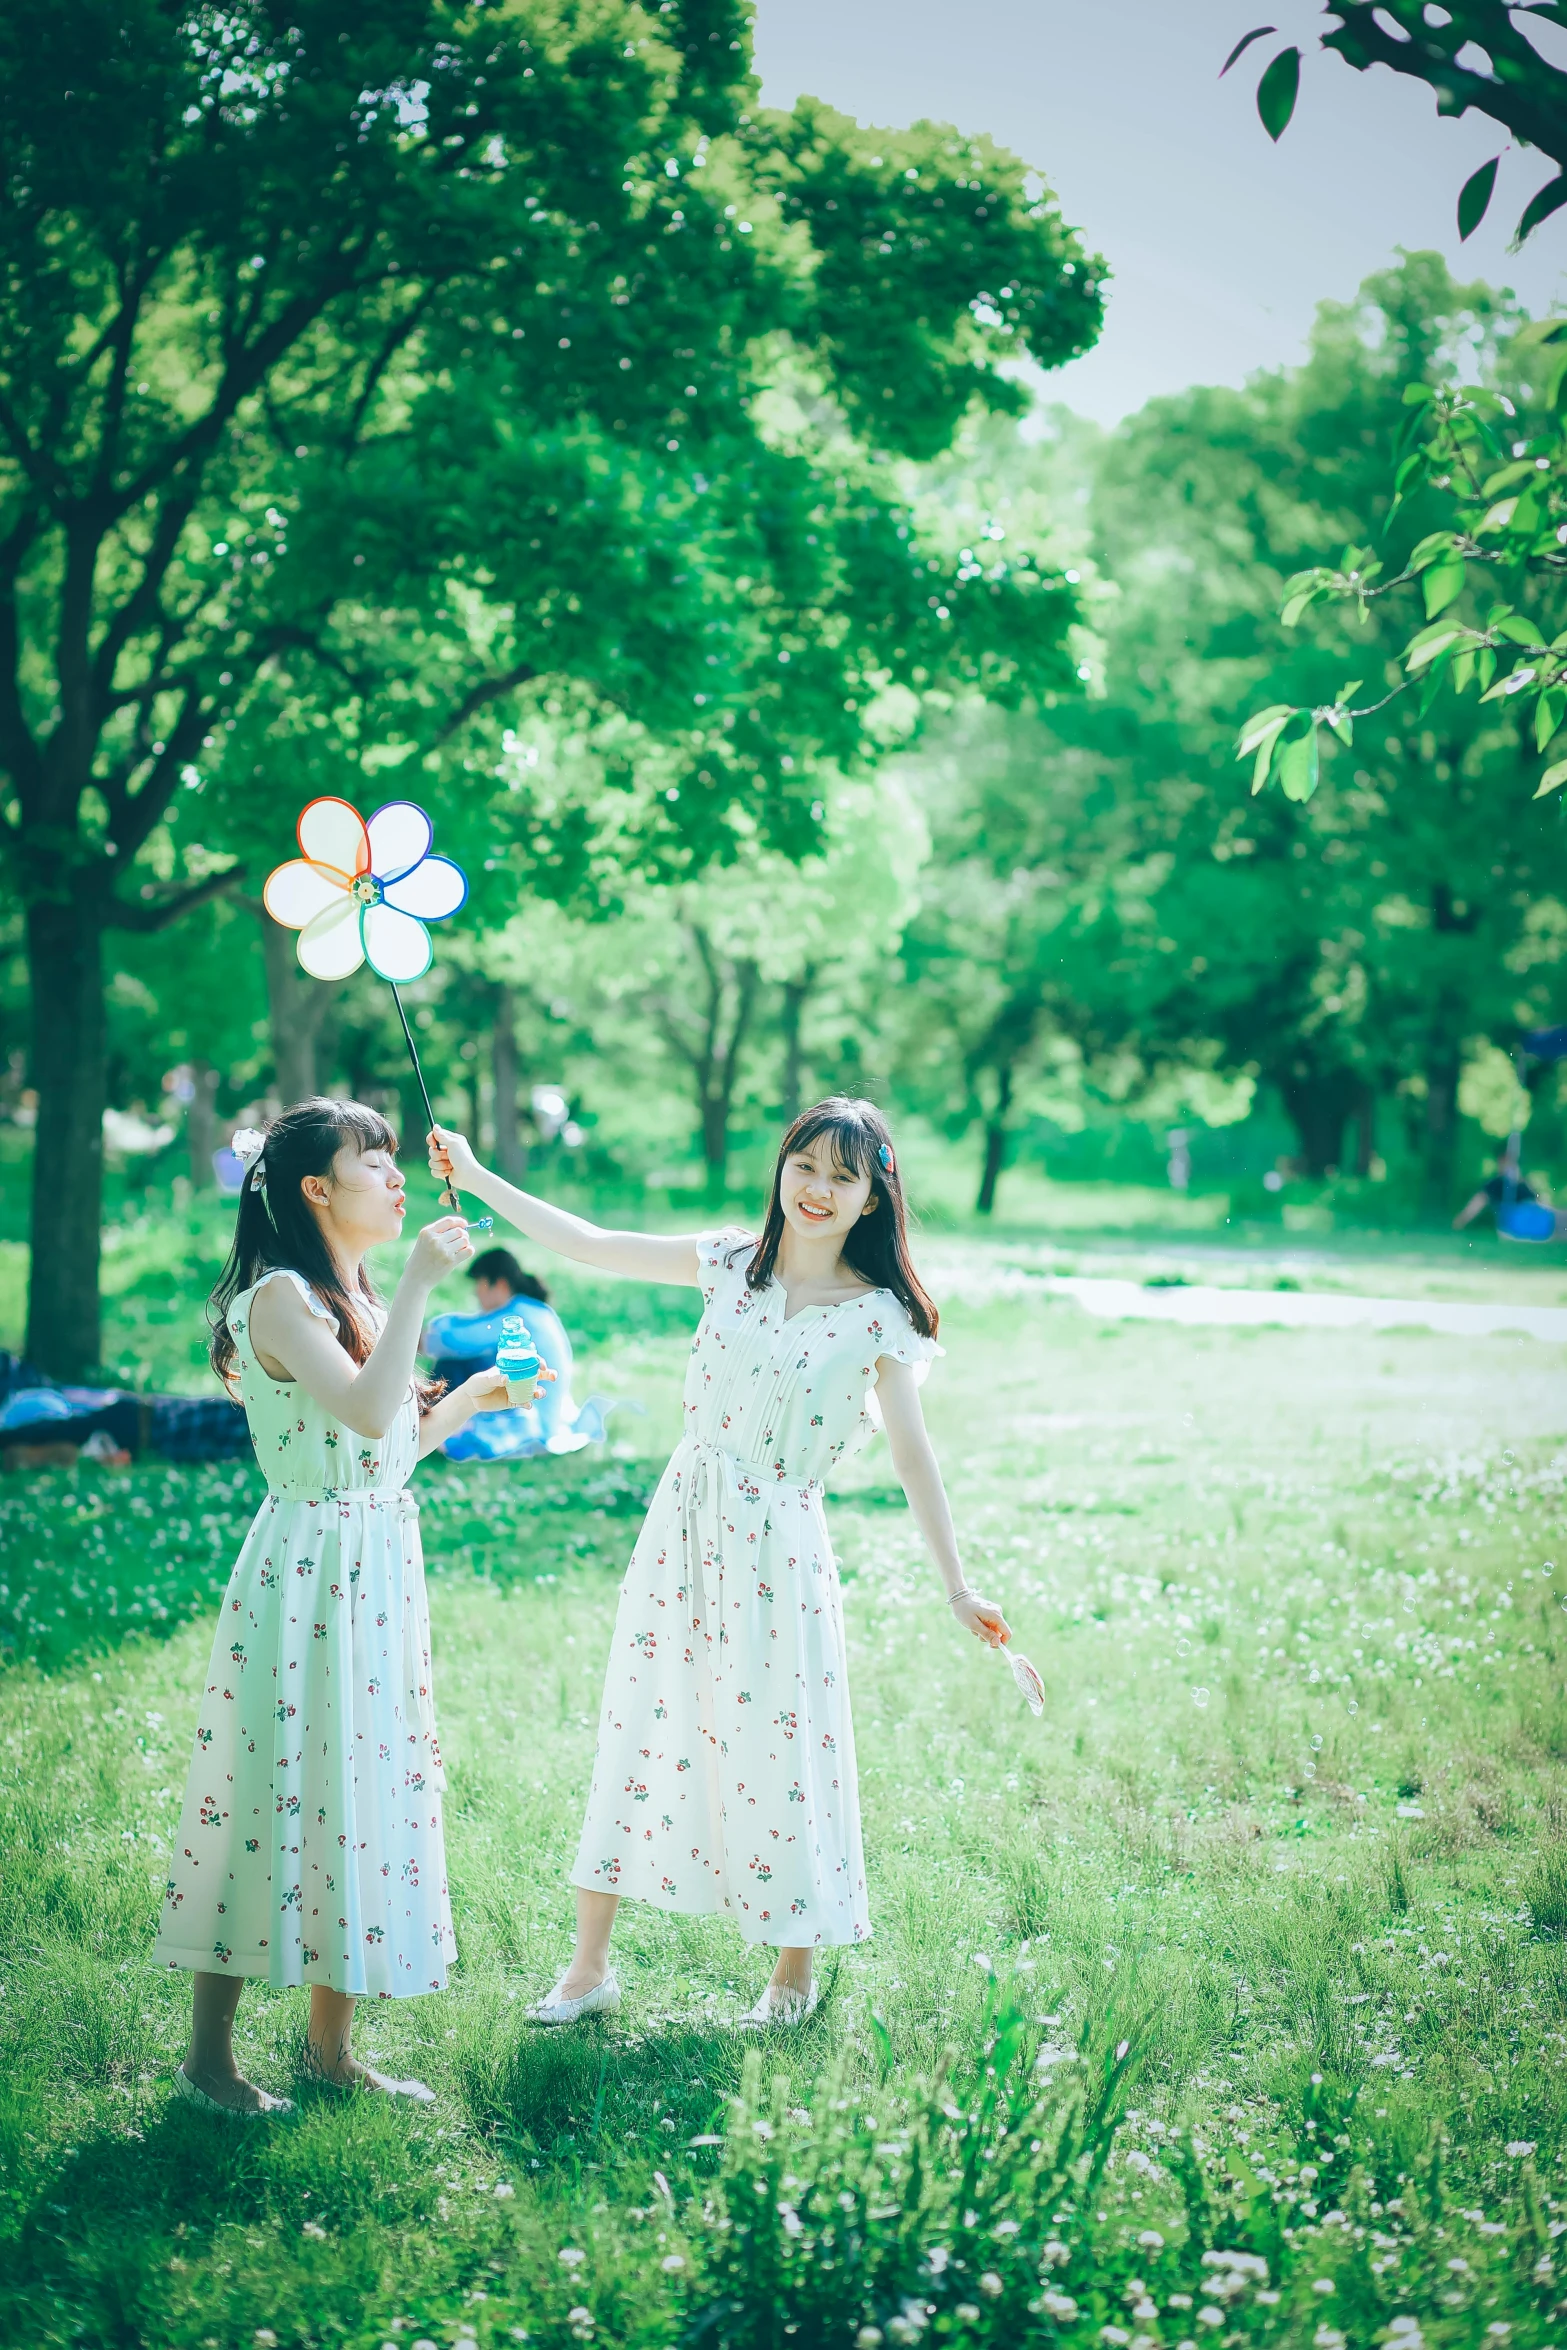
x,y
1518,2148
571,2257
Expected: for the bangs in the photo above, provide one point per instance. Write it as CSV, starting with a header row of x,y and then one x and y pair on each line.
x,y
854,1147
365,1128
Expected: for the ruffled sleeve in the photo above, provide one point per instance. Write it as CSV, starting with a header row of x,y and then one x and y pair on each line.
x,y
242,1304
894,1338
720,1254
893,1335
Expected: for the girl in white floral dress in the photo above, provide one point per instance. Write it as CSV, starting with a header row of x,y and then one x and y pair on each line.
x,y
309,1846
725,1775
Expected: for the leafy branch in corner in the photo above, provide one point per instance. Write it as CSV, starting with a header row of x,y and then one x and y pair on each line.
x,y
1500,468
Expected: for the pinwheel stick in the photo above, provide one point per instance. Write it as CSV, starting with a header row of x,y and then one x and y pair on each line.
x,y
450,1192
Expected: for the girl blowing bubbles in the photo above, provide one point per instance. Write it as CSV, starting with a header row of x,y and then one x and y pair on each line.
x,y
725,1776
309,1846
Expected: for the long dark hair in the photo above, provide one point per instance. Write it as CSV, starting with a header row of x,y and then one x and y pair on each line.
x,y
276,1228
878,1247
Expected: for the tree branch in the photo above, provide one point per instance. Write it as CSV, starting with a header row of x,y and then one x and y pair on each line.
x,y
489,689
157,913
132,816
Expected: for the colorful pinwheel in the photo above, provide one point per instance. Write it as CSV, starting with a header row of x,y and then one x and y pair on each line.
x,y
362,893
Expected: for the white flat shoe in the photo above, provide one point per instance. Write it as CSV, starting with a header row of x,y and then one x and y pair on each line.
x,y
185,2087
603,1999
368,2083
785,2008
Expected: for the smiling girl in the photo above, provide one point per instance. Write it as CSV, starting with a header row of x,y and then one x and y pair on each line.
x,y
725,1775
310,1845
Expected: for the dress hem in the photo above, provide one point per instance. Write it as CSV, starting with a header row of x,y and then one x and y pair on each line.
x,y
723,1909
255,1967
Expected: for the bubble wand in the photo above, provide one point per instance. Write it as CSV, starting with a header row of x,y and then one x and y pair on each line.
x,y
362,892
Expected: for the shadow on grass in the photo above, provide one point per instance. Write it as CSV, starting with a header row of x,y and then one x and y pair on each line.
x,y
592,2088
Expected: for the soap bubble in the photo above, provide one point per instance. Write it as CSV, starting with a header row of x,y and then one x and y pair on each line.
x,y
1199,1697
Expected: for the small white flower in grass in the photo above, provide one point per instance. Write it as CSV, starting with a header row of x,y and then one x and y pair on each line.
x,y
314,2228
1210,2316
671,2261
504,2190
265,2334
968,2311
990,2283
1518,2148
1151,2240
571,2257
1329,2338
1323,2285
982,1958
1113,2334
869,2337
1053,2304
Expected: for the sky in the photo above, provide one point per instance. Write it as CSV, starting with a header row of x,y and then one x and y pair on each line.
x,y
1220,245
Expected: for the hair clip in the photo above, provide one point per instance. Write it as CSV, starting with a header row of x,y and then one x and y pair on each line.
x,y
247,1143
887,1161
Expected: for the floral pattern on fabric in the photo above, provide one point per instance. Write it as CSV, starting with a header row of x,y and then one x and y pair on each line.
x,y
725,1774
310,1845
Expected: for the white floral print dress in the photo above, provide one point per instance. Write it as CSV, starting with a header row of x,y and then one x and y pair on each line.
x,y
310,1847
724,1777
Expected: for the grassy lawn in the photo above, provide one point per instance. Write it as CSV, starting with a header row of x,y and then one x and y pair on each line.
x,y
1226,2003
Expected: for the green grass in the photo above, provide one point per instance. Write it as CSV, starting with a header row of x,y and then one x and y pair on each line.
x,y
1254,1948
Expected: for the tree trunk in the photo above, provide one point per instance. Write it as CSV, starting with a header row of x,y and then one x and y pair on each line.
x,y
296,1008
1319,1103
1441,1133
69,1070
201,1124
995,1143
796,994
511,1150
1365,1130
713,1053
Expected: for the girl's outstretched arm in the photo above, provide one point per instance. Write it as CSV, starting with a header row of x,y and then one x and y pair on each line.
x,y
641,1256
898,1394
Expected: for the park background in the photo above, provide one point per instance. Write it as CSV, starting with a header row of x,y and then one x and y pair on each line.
x,y
1227,2001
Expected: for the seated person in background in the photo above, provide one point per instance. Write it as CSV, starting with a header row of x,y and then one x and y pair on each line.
x,y
460,1344
1520,1212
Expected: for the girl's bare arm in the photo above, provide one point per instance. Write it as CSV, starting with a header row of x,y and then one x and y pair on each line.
x,y
897,1391
640,1256
294,1343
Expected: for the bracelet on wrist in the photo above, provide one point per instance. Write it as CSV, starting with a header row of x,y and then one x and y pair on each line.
x,y
962,1592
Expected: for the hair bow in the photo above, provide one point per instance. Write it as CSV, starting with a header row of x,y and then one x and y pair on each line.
x,y
247,1143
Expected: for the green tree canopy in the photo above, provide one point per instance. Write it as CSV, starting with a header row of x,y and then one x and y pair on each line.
x,y
359,374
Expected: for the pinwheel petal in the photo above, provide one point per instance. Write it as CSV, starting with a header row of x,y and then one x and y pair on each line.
x,y
400,834
435,888
297,892
329,945
332,833
396,946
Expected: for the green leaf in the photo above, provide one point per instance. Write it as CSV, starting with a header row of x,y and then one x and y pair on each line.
x,y
1509,478
1277,92
1265,723
1439,542
1258,33
1549,199
1297,604
1297,765
1552,779
1498,518
1485,668
1347,693
1431,643
1343,727
1519,631
1548,715
1418,395
1463,669
1443,585
1474,197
